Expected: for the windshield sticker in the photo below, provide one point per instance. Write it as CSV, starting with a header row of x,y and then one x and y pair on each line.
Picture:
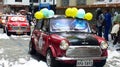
x,y
69,25
17,19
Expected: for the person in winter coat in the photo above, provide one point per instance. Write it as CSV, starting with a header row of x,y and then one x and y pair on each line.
x,y
108,24
99,21
116,30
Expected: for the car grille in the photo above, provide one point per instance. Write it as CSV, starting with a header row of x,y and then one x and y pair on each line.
x,y
84,51
19,28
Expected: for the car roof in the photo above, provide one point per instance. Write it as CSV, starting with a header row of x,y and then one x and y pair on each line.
x,y
58,16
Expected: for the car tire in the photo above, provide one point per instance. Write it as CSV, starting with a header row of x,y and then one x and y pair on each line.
x,y
51,62
4,30
28,33
100,64
32,50
8,33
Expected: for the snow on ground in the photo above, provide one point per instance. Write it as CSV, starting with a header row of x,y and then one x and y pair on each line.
x,y
22,63
4,36
31,63
1,50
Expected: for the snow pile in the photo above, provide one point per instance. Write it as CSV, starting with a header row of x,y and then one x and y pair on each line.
x,y
24,37
32,63
1,50
22,63
4,36
113,55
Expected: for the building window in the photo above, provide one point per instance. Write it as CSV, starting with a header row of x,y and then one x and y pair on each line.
x,y
110,0
18,0
100,0
65,2
50,0
44,0
0,0
81,2
34,1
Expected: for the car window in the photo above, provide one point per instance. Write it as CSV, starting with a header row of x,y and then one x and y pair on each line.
x,y
45,25
79,24
39,24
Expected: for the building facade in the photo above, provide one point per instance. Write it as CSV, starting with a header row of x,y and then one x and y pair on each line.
x,y
61,3
1,6
16,5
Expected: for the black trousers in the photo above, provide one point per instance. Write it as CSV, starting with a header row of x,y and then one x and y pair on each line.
x,y
117,38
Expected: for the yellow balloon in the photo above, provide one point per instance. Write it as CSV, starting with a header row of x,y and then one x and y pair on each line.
x,y
74,12
68,12
88,16
39,15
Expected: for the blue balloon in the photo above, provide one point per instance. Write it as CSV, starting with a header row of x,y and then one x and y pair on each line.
x,y
81,13
45,12
51,13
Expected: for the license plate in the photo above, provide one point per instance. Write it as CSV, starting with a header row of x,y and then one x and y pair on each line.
x,y
84,62
19,31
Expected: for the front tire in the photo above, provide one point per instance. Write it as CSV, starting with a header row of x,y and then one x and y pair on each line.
x,y
8,33
4,31
28,33
31,48
100,64
51,62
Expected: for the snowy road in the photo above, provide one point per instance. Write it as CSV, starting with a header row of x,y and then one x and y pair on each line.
x,y
14,53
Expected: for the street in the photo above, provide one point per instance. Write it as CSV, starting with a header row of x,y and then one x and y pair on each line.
x,y
14,47
14,50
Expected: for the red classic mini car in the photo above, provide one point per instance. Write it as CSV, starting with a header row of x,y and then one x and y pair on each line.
x,y
16,24
68,40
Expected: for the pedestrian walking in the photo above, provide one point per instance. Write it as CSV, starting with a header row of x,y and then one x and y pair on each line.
x,y
108,24
99,21
29,18
114,21
116,30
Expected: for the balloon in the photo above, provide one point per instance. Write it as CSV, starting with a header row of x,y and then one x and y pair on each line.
x,y
74,12
81,13
88,16
51,13
68,12
38,15
45,12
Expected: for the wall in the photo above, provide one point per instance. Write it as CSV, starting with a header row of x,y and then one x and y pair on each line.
x,y
12,2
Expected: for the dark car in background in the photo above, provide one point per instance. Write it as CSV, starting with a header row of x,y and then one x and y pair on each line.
x,y
68,40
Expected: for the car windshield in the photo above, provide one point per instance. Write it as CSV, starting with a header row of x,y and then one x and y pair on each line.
x,y
69,24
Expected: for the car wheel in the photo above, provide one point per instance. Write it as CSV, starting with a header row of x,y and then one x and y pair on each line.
x,y
51,62
8,33
4,30
100,64
28,33
31,48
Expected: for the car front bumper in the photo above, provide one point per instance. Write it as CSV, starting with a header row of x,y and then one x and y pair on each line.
x,y
71,58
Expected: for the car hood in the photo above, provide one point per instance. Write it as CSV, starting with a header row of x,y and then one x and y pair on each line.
x,y
19,23
80,39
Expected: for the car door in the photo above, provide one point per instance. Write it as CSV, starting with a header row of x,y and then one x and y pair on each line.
x,y
37,33
44,36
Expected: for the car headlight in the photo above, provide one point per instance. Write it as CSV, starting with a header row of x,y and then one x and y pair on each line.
x,y
3,21
104,45
64,45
